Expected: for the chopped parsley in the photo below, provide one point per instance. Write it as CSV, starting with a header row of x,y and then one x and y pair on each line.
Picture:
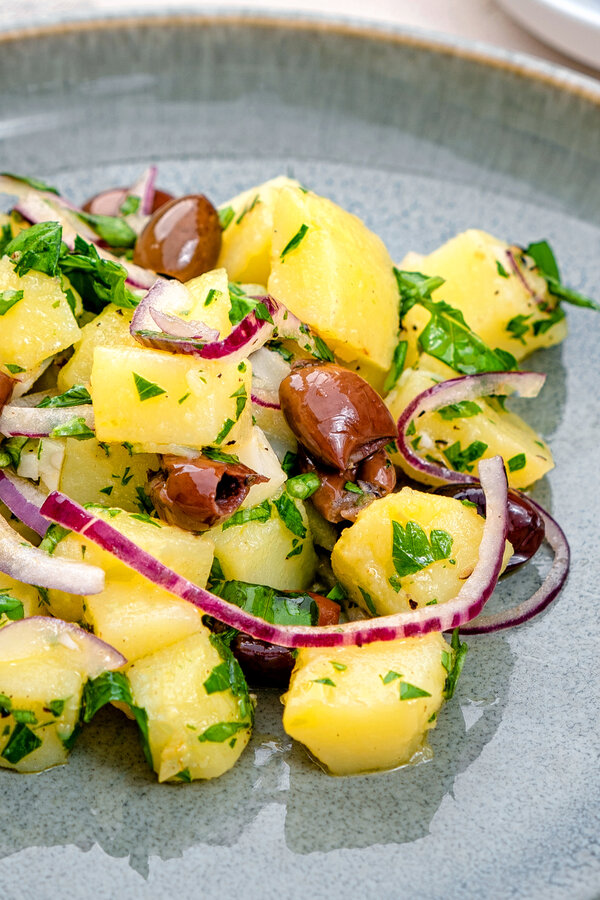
x,y
518,326
290,515
248,208
353,488
464,409
241,398
411,691
501,270
227,426
112,686
20,744
8,299
78,395
11,607
146,389
183,398
112,229
228,676
272,605
453,666
212,296
515,463
542,255
289,462
294,242
398,361
338,666
56,707
390,676
368,601
74,428
303,486
413,551
260,513
54,535
99,281
36,183
326,681
130,205
222,731
38,247
220,455
461,460
184,776
14,369
226,215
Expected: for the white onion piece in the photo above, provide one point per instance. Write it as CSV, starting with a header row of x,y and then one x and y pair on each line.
x,y
29,637
468,603
23,561
268,371
456,390
545,594
29,379
40,422
24,501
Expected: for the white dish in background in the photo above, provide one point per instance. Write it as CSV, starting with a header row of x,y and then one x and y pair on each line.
x,y
572,26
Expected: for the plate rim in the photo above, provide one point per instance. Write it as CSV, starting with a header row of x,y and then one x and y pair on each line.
x,y
516,62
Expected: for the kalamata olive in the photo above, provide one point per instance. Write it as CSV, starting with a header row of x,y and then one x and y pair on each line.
x,y
182,239
374,477
6,388
269,665
525,525
108,203
197,493
335,414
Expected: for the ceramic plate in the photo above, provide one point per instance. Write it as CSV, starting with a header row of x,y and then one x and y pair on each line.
x,y
422,140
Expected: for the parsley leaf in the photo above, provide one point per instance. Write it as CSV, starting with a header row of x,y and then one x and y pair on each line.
x,y
8,299
130,205
75,428
294,241
411,691
412,550
38,248
226,215
398,360
98,280
227,426
220,455
241,398
289,462
519,326
272,605
460,651
78,395
326,681
54,535
112,229
290,515
222,731
501,270
260,513
390,676
368,601
115,686
36,183
515,463
11,607
461,460
21,743
464,409
541,253
146,389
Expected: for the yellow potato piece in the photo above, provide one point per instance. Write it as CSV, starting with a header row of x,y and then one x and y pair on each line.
x,y
362,559
504,432
25,594
338,279
108,475
108,329
170,686
487,299
197,404
38,325
210,301
339,706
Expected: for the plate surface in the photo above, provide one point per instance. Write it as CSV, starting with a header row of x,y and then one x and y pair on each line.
x,y
422,140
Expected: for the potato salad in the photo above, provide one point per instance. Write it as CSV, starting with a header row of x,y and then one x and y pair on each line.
x,y
242,449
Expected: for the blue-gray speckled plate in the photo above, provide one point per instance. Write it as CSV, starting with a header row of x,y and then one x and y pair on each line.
x,y
422,139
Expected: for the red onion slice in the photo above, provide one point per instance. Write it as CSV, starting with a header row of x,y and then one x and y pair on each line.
x,y
23,561
40,422
466,605
144,190
22,639
24,501
467,387
545,594
266,399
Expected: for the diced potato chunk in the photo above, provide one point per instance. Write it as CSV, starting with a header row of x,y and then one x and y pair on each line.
x,y
199,718
483,423
363,709
246,243
370,558
338,279
263,549
108,329
482,285
110,475
154,399
211,303
39,324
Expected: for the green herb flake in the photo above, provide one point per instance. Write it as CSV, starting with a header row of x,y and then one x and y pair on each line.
x,y
515,463
112,229
99,281
220,455
144,517
353,488
11,607
38,248
469,503
326,681
21,743
36,183
518,326
78,395
290,515
184,776
303,486
289,462
107,490
464,409
226,215
212,296
241,398
146,389
543,256
411,428
398,361
24,716
14,369
260,513
54,535
411,691
74,428
222,731
8,299
460,651
461,460
390,676
248,208
501,270
368,601
56,707
337,593
227,426
105,689
413,551
294,242
338,666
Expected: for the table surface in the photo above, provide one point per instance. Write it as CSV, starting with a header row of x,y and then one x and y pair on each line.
x,y
481,20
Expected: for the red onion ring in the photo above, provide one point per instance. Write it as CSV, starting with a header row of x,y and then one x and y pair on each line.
x,y
519,273
17,638
266,399
455,390
468,603
24,562
39,422
24,501
545,594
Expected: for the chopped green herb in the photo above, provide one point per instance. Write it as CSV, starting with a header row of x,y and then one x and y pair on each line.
x,y
303,486
416,442
112,229
469,503
143,502
398,361
461,460
353,488
25,716
368,601
14,369
326,681
338,666
126,477
390,676
464,409
411,429
144,517
212,296
130,205
392,447
54,535
38,248
518,326
184,776
260,513
226,215
11,607
297,548
56,707
289,462
20,744
544,258
541,326
222,731
283,351
36,183
501,270
74,428
127,446
248,208
515,463
8,299
220,455
460,651
272,605
99,281
241,398
412,550
105,689
227,426
411,692
78,395
290,515
431,602
146,389
294,242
